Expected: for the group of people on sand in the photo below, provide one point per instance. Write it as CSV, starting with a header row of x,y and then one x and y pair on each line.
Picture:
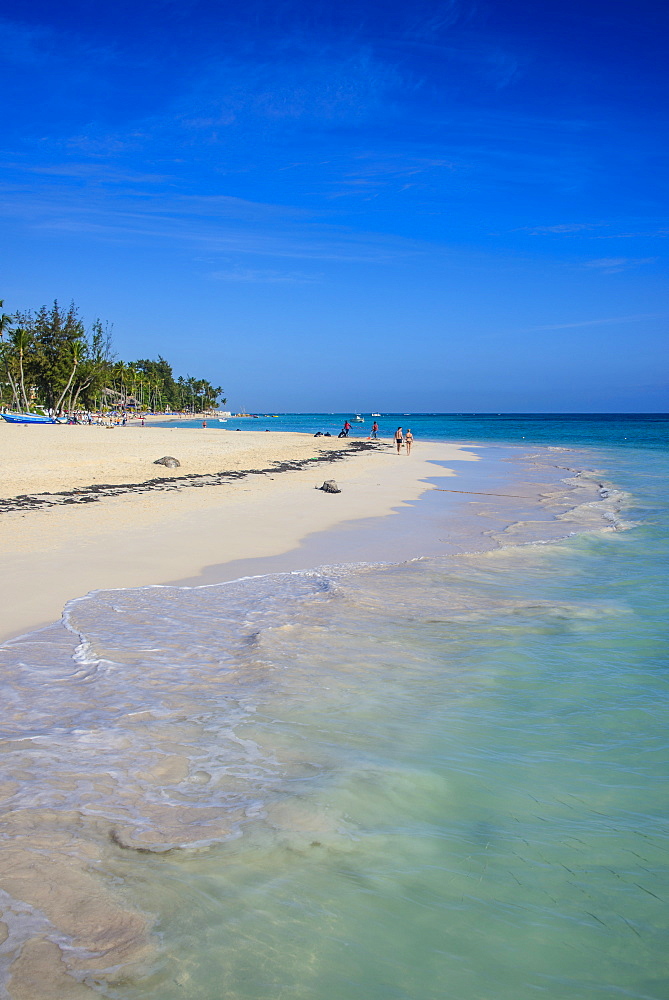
x,y
400,438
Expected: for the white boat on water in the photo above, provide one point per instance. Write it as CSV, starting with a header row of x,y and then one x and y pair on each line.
x,y
357,419
376,414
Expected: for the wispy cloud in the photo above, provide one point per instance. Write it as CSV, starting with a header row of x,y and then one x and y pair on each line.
x,y
264,276
209,224
119,192
594,230
370,173
103,145
428,21
300,84
561,229
96,172
599,322
613,265
652,231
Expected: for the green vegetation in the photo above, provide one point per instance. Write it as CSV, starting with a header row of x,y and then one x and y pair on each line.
x,y
49,360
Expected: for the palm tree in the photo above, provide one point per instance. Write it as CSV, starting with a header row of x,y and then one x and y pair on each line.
x,y
119,370
21,341
132,378
6,358
6,322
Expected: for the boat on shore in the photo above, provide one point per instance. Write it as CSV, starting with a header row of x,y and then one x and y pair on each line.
x,y
27,418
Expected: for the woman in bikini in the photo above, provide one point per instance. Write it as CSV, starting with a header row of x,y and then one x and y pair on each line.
x,y
408,439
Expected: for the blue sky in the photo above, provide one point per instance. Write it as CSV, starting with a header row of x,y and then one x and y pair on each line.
x,y
350,206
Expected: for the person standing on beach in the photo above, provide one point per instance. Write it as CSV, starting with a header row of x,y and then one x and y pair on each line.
x,y
375,429
398,439
409,440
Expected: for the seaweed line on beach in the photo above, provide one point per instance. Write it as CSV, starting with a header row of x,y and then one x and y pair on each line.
x,y
100,491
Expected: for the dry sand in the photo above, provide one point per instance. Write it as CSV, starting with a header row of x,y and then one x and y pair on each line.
x,y
54,551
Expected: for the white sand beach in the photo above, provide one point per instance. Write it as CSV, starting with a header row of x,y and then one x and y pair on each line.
x,y
55,548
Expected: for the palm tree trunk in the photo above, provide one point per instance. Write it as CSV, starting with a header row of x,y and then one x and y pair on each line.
x,y
80,388
15,393
67,387
23,382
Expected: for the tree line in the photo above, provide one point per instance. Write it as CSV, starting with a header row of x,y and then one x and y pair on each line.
x,y
50,361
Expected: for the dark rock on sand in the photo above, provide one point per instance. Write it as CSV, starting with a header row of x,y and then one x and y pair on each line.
x,y
169,462
329,486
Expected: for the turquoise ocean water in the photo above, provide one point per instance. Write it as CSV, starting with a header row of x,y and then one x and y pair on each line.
x,y
647,430
438,777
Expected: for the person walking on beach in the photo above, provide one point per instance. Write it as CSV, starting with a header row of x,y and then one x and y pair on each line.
x,y
375,429
398,439
343,433
409,440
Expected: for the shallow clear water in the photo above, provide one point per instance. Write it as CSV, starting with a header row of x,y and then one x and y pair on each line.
x,y
440,778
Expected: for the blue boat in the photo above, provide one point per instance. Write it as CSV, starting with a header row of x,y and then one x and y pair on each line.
x,y
27,418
